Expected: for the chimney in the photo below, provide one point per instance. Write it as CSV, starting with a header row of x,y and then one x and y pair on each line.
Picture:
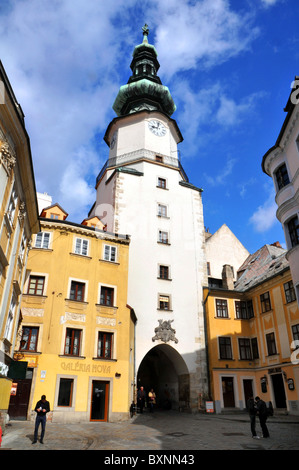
x,y
276,244
228,277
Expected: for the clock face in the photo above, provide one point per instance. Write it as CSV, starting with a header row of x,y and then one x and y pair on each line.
x,y
157,128
113,140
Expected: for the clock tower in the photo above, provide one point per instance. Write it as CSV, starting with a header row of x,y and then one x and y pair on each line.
x,y
143,191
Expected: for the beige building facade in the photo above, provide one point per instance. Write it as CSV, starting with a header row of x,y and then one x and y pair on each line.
x,y
18,221
281,163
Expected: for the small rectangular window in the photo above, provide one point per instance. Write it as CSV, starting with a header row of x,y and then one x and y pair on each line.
x,y
162,210
289,292
271,344
72,342
282,177
107,296
293,228
295,331
164,272
77,291
12,205
163,237
42,240
162,183
36,285
81,247
254,348
110,253
105,345
29,339
221,308
265,302
245,349
225,348
164,302
244,309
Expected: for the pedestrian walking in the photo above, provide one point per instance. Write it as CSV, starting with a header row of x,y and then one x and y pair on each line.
x,y
141,397
263,415
151,400
252,410
42,408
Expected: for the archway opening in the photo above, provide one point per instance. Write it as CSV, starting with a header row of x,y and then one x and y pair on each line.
x,y
164,370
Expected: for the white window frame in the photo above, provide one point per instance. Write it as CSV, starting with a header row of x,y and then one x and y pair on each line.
x,y
79,246
44,245
10,318
107,253
13,201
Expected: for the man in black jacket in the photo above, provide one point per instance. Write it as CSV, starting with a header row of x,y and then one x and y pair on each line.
x,y
263,415
252,414
42,408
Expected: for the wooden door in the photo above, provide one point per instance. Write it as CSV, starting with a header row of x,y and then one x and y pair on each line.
x,y
228,392
18,405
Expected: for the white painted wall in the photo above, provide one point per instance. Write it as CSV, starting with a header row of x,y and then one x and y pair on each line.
x,y
287,198
135,202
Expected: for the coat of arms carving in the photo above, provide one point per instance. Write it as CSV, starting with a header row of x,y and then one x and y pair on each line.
x,y
164,332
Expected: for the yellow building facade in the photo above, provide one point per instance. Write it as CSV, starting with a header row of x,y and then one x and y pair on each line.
x,y
252,335
77,333
18,221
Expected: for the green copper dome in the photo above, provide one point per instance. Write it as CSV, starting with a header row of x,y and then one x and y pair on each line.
x,y
144,89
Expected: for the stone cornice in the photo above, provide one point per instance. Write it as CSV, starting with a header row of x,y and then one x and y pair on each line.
x,y
65,226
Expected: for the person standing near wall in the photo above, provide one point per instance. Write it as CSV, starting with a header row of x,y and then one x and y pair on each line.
x,y
42,408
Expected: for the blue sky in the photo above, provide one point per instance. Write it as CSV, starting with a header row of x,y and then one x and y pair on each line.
x,y
229,66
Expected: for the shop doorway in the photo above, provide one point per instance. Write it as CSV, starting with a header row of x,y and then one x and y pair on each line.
x,y
279,391
99,401
20,394
19,400
228,392
164,370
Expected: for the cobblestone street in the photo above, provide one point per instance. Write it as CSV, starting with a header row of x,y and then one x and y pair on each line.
x,y
158,432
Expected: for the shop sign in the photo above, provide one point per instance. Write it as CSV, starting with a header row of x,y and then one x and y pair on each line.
x,y
13,390
209,407
79,367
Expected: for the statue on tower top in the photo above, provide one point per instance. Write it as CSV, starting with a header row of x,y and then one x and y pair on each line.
x,y
145,30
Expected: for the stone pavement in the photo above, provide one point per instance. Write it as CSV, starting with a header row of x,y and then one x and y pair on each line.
x,y
158,432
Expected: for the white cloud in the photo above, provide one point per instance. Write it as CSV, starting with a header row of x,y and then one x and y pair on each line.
x,y
66,60
269,3
61,58
264,218
205,31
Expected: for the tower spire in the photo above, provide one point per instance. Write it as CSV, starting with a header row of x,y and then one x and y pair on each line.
x,y
144,89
